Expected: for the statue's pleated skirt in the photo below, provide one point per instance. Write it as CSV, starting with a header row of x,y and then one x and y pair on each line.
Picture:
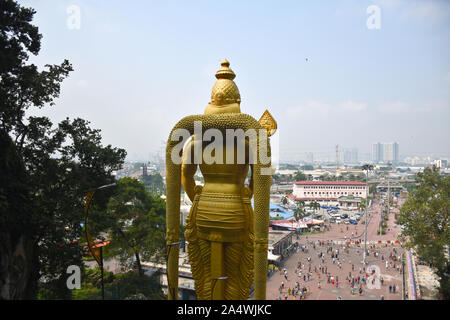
x,y
227,219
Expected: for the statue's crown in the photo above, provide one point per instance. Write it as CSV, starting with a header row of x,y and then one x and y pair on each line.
x,y
225,90
225,72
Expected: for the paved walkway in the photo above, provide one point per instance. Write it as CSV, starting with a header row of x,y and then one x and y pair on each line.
x,y
347,263
330,280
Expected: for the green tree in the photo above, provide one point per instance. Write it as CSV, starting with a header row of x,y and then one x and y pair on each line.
x,y
372,189
425,221
300,176
118,286
154,183
136,224
299,212
362,205
56,165
314,205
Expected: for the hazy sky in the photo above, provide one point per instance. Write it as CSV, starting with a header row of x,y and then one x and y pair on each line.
x,y
140,66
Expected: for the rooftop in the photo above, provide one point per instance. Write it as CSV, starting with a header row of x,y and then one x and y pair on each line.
x,y
334,183
277,235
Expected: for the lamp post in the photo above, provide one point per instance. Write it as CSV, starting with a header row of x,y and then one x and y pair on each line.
x,y
96,250
366,168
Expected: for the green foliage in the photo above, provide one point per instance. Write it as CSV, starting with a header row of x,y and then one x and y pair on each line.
x,y
425,221
362,205
154,183
136,223
276,218
300,176
60,163
411,187
314,205
328,177
299,212
117,286
290,167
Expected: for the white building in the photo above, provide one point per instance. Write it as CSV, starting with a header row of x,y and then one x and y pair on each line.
x,y
440,163
328,191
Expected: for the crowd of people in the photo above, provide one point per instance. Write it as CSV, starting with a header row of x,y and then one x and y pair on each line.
x,y
327,269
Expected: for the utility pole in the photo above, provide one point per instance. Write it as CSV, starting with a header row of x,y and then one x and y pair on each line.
x,y
389,195
367,168
388,200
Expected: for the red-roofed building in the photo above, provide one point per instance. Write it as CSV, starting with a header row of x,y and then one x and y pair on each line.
x,y
328,191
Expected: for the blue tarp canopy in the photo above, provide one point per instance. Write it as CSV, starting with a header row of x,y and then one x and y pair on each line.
x,y
275,210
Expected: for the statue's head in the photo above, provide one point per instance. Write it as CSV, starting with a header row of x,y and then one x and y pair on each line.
x,y
225,97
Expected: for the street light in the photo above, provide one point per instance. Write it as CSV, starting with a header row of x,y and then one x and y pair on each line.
x,y
366,168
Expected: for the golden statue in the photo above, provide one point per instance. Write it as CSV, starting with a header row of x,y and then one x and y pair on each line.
x,y
227,240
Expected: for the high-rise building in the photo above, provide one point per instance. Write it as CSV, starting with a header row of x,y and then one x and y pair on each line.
x,y
347,156
377,152
384,152
354,155
309,158
390,152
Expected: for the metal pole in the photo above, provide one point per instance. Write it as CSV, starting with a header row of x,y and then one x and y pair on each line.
x,y
365,224
101,272
403,275
389,195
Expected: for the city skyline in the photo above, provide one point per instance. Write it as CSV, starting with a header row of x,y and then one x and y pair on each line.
x,y
135,82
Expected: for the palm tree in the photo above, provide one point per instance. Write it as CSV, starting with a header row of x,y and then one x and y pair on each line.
x,y
299,212
314,205
362,205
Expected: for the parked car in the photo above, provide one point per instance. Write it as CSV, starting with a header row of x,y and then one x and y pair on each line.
x,y
338,220
352,221
344,216
335,215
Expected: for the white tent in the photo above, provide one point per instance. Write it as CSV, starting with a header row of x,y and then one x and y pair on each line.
x,y
272,257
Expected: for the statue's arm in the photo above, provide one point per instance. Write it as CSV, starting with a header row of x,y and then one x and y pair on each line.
x,y
188,170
